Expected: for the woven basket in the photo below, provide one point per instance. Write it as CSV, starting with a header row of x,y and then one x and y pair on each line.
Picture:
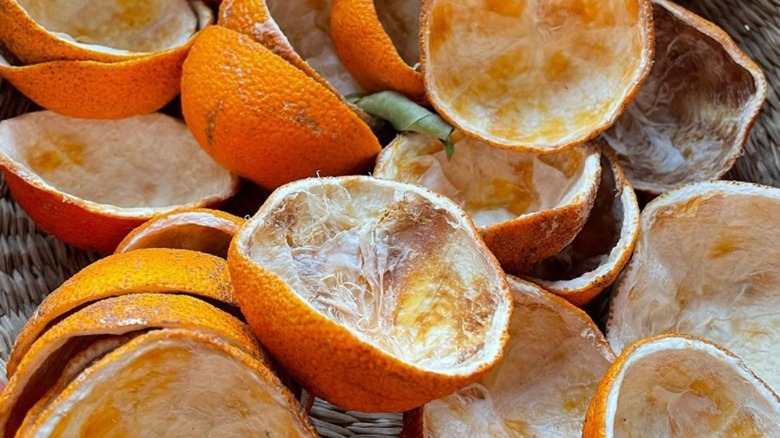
x,y
32,264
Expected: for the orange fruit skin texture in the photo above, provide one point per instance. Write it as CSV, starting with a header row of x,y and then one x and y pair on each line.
x,y
229,224
77,225
174,271
521,242
265,120
282,321
252,18
122,315
368,53
99,90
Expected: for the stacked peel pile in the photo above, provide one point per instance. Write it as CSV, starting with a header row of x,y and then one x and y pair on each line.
x,y
441,197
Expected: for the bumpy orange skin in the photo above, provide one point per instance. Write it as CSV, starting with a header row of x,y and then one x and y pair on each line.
x,y
252,18
101,90
283,322
367,51
521,242
71,221
264,119
143,271
144,237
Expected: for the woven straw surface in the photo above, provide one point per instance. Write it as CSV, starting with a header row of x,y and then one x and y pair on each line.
x,y
32,263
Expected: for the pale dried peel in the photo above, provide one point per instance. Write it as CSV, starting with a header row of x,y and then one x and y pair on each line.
x,y
552,365
401,21
196,230
172,383
691,118
683,387
538,75
398,266
602,248
706,265
75,365
306,24
493,185
137,166
117,27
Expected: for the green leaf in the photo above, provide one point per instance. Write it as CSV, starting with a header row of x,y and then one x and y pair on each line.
x,y
406,116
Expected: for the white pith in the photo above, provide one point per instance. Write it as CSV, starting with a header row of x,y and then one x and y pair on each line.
x,y
397,265
690,119
706,265
170,384
683,387
137,166
493,185
120,27
551,367
534,74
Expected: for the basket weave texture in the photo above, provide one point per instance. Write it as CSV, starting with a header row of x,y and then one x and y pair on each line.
x,y
32,264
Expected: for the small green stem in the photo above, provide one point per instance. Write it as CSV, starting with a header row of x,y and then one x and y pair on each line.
x,y
406,115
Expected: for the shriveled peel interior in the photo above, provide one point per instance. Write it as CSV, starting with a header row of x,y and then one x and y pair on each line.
x,y
401,21
306,24
398,267
689,390
531,73
191,230
692,115
174,384
493,185
605,242
117,25
76,363
552,365
143,162
706,264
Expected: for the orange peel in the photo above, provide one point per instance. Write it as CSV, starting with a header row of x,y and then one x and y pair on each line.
x,y
593,261
168,368
90,182
681,386
52,30
691,118
414,306
552,365
158,271
197,229
534,75
528,206
705,265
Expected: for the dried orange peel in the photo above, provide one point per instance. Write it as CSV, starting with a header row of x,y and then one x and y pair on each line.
x,y
592,262
413,305
706,265
172,271
528,206
377,41
174,368
691,118
101,90
49,355
534,75
299,32
552,365
197,229
264,137
681,386
90,182
51,30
